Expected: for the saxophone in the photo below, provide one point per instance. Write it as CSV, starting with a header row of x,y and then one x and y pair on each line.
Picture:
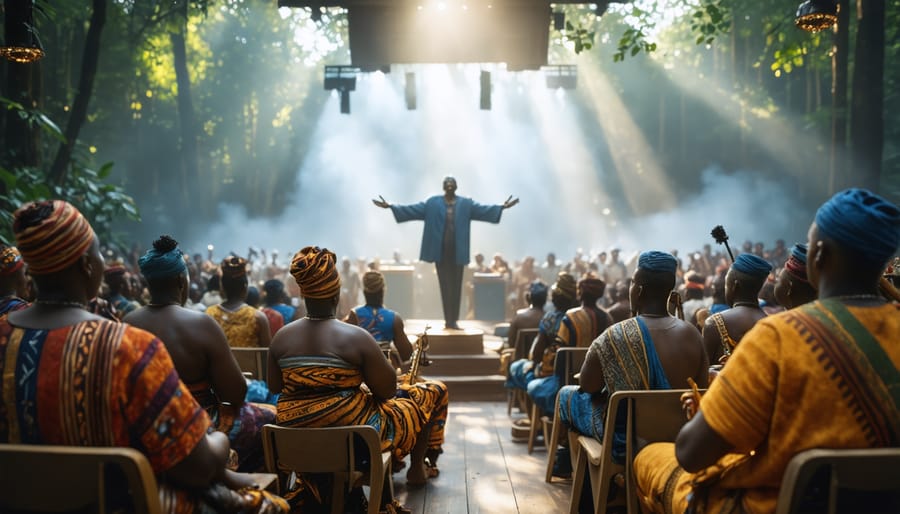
x,y
419,357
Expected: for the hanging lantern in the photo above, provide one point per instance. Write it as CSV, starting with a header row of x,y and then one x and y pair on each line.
x,y
816,15
21,42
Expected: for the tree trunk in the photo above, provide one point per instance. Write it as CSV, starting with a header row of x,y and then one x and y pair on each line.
x,y
839,61
78,115
190,166
867,115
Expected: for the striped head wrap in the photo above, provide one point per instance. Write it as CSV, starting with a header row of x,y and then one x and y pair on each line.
x,y
164,260
10,260
51,235
315,272
796,263
116,269
565,286
233,267
373,282
591,286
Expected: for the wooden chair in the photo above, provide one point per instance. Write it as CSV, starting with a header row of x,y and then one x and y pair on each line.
x,y
44,478
653,417
330,450
567,362
572,360
650,416
253,361
517,397
862,471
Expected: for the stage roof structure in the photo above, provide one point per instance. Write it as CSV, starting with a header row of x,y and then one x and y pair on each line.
x,y
386,32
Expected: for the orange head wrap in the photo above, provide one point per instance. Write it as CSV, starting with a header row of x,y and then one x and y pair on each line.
x,y
51,235
10,260
233,267
314,270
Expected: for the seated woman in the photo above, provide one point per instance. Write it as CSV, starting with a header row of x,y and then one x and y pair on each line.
x,y
82,380
244,326
200,353
331,373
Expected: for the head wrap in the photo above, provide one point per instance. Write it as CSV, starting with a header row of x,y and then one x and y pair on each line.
x,y
114,270
565,286
694,280
536,288
373,282
796,263
863,222
10,260
56,241
752,265
592,287
657,261
164,260
233,267
314,270
273,287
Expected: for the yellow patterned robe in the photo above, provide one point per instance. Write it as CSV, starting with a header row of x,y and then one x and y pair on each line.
x,y
823,375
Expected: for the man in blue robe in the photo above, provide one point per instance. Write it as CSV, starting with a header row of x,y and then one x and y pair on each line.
x,y
445,238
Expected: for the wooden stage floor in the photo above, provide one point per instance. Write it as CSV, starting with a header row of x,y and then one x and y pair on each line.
x,y
484,471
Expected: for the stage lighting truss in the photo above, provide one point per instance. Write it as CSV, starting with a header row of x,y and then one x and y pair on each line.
x,y
563,76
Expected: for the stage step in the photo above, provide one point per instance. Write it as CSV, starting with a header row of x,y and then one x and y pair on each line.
x,y
488,363
473,388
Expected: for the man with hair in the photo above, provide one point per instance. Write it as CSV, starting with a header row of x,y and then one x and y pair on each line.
x,y
652,350
13,280
385,325
118,279
694,285
816,376
723,331
445,238
620,310
792,287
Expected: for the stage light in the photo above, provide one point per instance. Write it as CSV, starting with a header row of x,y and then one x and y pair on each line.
x,y
21,43
343,79
564,76
816,15
411,91
485,90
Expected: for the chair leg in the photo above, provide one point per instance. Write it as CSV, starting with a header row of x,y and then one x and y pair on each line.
x,y
578,476
552,443
338,491
376,484
532,430
510,400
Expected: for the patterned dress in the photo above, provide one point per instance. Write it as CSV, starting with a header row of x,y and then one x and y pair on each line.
x,y
239,326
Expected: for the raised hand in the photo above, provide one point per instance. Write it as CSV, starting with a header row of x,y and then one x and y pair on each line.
x,y
510,202
381,202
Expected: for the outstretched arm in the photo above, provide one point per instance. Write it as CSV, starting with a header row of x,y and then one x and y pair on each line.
x,y
510,201
381,202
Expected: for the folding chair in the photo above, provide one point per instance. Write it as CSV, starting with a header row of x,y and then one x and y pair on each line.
x,y
253,361
330,450
865,471
45,478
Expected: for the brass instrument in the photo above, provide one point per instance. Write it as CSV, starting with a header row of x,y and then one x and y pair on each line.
x,y
419,357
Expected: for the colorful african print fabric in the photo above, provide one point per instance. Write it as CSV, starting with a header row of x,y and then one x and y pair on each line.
x,y
728,343
378,321
121,305
522,371
325,392
630,363
820,361
239,326
11,303
276,320
287,311
243,428
96,383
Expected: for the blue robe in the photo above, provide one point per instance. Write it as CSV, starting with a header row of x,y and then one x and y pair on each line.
x,y
434,212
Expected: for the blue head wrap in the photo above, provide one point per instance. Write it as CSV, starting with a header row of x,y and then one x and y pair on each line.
x,y
537,287
799,252
752,265
657,261
164,260
863,222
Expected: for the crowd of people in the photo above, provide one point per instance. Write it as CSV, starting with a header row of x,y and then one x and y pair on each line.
x,y
107,348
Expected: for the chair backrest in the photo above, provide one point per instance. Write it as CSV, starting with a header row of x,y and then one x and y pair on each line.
x,y
45,478
568,363
524,338
317,450
252,360
653,416
863,470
